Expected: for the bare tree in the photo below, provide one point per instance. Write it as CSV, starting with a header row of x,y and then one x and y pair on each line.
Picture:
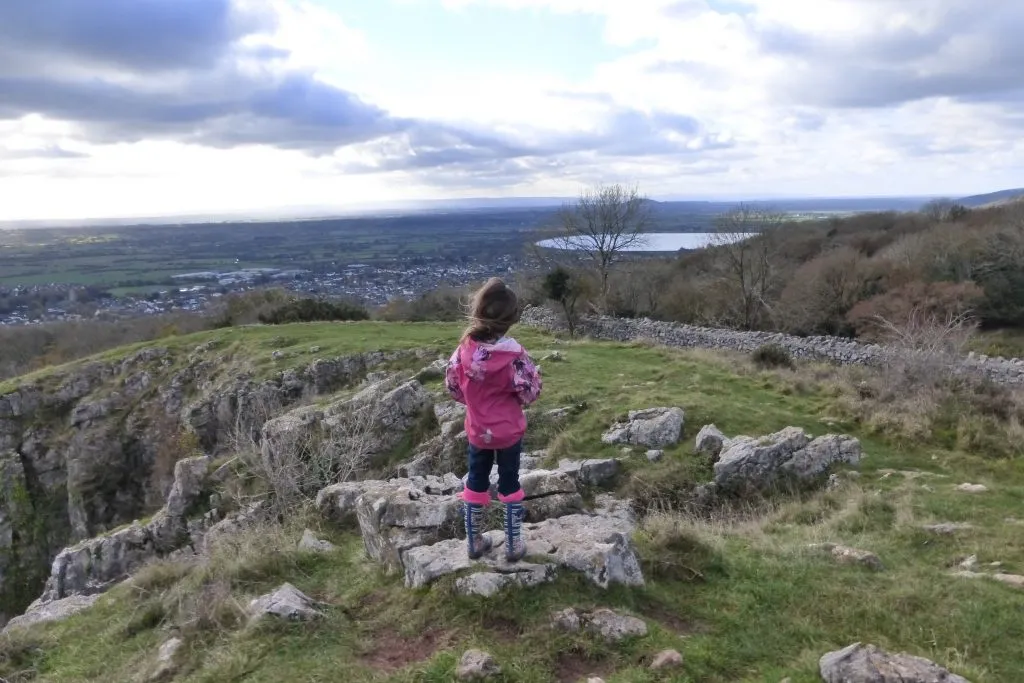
x,y
745,242
943,209
605,222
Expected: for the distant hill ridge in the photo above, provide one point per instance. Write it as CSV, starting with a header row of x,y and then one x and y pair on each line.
x,y
993,198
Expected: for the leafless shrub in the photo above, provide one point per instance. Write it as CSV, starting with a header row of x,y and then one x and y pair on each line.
x,y
324,450
928,334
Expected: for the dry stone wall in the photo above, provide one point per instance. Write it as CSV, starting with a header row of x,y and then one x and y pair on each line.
x,y
829,349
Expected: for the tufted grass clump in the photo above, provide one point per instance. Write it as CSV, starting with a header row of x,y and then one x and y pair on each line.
x,y
769,356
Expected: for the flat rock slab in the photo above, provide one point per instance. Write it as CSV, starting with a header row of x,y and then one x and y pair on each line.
x,y
947,528
58,610
611,626
868,664
598,545
972,488
846,555
1013,580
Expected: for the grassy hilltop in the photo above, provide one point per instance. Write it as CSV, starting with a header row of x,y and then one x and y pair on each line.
x,y
741,595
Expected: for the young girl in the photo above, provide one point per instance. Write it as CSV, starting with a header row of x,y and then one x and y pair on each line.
x,y
494,377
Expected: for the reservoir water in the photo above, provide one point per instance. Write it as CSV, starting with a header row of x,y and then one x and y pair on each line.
x,y
655,241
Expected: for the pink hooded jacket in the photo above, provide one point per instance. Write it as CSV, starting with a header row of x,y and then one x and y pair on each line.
x,y
494,381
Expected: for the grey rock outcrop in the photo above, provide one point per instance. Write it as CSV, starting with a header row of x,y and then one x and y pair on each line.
x,y
868,664
87,448
337,503
394,519
653,428
95,565
784,458
57,610
287,603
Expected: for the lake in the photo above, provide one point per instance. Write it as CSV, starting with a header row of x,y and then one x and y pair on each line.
x,y
655,241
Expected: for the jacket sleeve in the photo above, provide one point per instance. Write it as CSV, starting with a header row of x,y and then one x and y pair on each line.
x,y
453,378
526,379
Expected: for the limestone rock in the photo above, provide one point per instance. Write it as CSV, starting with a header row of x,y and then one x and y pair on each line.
x,y
788,456
394,519
95,565
567,620
611,626
947,528
287,602
337,503
710,442
166,661
667,659
310,542
614,627
868,664
972,488
655,455
476,665
598,545
845,555
592,472
57,610
449,411
653,428
1013,580
519,575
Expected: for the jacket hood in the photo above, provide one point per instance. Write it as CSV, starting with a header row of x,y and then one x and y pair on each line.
x,y
489,356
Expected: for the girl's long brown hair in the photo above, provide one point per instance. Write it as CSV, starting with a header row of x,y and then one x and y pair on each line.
x,y
493,309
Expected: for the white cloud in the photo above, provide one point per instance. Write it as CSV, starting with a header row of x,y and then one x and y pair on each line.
x,y
710,97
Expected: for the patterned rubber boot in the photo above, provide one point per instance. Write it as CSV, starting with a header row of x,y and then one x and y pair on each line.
x,y
515,546
476,543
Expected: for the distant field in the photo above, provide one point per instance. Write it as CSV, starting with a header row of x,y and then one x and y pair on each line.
x,y
150,255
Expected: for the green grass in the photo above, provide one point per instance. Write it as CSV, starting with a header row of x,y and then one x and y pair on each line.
x,y
742,597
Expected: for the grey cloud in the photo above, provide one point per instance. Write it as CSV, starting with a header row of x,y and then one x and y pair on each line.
x,y
169,69
972,53
135,35
453,154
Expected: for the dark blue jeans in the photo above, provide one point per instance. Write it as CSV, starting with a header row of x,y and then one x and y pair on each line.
x,y
482,460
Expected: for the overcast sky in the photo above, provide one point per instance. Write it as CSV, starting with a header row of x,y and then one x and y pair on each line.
x,y
153,107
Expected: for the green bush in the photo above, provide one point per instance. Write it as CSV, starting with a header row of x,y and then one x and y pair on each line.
x,y
312,310
772,356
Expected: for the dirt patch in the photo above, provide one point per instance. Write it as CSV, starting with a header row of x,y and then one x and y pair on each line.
x,y
391,651
506,630
673,621
573,667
